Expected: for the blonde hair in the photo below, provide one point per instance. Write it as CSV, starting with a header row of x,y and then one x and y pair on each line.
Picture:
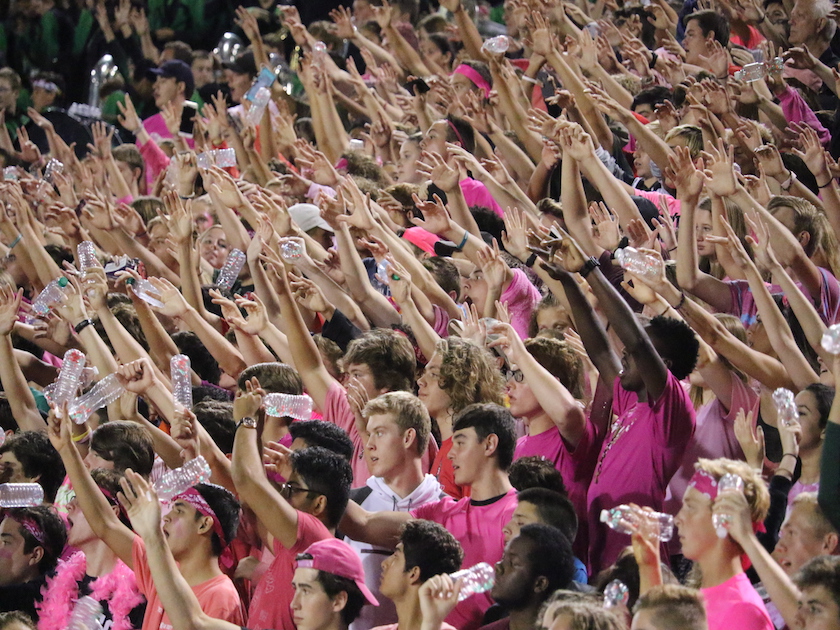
x,y
755,490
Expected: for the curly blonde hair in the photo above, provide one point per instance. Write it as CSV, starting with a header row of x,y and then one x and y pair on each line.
x,y
468,374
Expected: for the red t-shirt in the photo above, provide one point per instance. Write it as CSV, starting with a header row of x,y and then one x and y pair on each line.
x,y
442,469
477,525
217,596
270,606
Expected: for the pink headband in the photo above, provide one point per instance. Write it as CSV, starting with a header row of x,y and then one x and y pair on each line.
x,y
194,498
473,75
455,131
704,483
32,526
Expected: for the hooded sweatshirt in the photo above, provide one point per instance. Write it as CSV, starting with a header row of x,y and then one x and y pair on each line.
x,y
376,496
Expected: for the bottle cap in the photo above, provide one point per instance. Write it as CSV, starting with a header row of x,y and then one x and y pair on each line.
x,y
605,514
130,281
62,282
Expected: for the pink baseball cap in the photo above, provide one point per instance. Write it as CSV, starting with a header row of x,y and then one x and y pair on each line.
x,y
337,557
424,239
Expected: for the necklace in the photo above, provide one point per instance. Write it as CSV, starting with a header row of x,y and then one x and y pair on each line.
x,y
619,427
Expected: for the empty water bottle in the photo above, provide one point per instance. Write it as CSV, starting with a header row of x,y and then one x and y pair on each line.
x,y
49,297
231,269
225,158
497,45
67,383
288,406
831,339
20,495
86,256
477,579
86,614
616,594
383,271
181,479
53,166
180,371
319,47
721,522
146,291
629,520
261,99
785,406
489,322
205,159
100,395
637,263
756,71
291,250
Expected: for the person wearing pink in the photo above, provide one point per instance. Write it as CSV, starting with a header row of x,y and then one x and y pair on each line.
x,y
305,511
174,84
731,601
654,417
543,388
483,442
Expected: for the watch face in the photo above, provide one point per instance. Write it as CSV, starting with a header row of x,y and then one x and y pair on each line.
x,y
251,423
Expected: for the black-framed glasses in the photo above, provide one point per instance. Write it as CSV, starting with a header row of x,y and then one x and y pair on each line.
x,y
288,490
516,375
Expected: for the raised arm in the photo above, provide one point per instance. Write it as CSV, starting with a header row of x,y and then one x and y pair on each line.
x,y
22,402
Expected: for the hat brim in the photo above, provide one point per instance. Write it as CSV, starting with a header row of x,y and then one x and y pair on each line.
x,y
366,592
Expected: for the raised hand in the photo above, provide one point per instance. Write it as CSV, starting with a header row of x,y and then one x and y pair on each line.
x,y
751,439
9,307
436,217
141,503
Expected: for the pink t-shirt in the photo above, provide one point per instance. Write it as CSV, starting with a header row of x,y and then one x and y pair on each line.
x,y
656,199
640,454
270,606
477,525
476,194
714,437
521,297
217,596
576,467
735,604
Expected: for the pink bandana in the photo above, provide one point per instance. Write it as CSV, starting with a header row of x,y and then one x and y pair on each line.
x,y
32,526
704,483
194,498
473,75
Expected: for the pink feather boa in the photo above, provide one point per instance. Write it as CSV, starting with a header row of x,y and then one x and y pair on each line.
x,y
118,588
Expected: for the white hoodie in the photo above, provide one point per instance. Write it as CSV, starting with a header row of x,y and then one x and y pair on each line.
x,y
382,498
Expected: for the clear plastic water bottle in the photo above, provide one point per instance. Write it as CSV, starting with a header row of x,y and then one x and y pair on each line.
x,y
181,479
261,99
53,166
756,71
146,291
477,579
785,406
86,614
100,395
831,339
86,256
231,269
205,159
180,373
721,522
497,45
225,158
637,263
291,250
288,406
49,297
383,271
616,594
14,495
628,520
67,383
319,47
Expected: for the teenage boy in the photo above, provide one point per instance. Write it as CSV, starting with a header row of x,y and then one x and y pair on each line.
x,y
654,417
328,582
483,441
535,564
201,523
425,549
174,84
669,606
819,601
306,510
398,428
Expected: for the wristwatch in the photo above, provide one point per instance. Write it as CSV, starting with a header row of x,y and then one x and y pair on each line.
x,y
249,422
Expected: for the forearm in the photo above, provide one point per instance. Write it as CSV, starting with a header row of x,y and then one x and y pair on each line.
x,y
406,55
427,338
161,346
519,161
22,402
470,36
554,399
615,196
119,187
723,253
131,246
229,358
783,593
573,200
807,316
252,348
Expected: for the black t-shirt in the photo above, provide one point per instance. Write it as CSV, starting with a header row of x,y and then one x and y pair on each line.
x,y
22,597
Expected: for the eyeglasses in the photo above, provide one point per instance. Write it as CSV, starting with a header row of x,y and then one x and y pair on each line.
x,y
288,490
516,375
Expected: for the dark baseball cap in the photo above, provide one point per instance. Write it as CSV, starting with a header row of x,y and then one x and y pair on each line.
x,y
243,64
178,70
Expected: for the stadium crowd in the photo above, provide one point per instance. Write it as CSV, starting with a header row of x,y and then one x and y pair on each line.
x,y
542,268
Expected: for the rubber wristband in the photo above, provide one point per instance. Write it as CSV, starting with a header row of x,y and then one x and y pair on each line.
x,y
531,260
82,325
827,184
681,302
464,240
81,438
15,242
588,266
